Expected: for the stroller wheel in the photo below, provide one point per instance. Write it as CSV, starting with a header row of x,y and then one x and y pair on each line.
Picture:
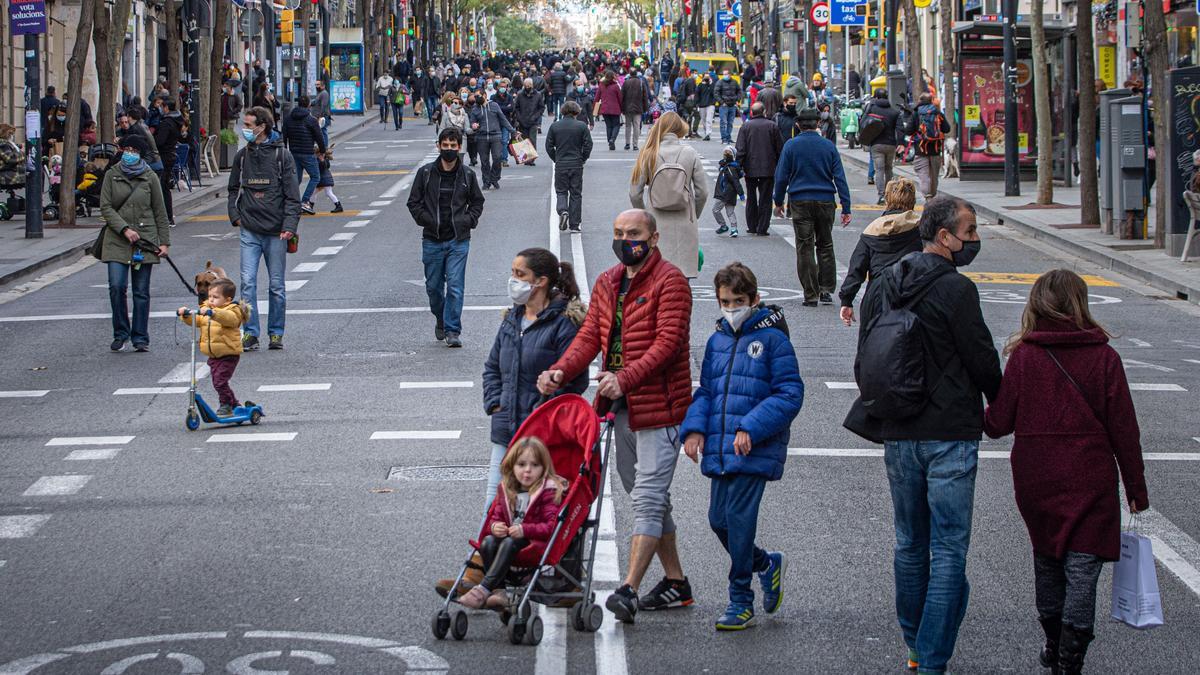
x,y
516,631
577,616
593,618
533,632
440,624
458,629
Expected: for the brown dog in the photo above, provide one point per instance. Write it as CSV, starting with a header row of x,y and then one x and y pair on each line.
x,y
203,280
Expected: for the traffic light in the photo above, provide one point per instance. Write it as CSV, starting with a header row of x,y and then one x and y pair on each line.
x,y
411,26
391,29
287,18
872,32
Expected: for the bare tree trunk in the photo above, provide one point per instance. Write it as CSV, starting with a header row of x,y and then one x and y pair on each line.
x,y
1041,106
220,32
79,54
174,46
108,36
949,65
1089,195
1157,61
912,48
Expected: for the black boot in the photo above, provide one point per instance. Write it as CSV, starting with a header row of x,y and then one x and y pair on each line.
x,y
1049,656
1072,647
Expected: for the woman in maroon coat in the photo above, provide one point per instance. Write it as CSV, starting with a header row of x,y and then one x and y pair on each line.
x,y
608,101
1065,397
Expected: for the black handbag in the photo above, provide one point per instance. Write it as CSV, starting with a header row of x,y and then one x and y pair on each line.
x,y
96,250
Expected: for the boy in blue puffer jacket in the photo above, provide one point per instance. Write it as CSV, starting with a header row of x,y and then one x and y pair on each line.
x,y
740,418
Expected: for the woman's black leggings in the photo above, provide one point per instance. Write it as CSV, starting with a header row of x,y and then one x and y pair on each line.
x,y
612,124
498,555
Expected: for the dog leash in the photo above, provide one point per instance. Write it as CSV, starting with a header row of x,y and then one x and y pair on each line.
x,y
154,249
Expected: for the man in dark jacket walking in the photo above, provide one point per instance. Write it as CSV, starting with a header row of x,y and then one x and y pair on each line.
x,y
264,202
929,127
569,144
883,147
488,122
729,95
446,202
558,82
528,110
759,146
167,136
301,133
931,455
634,97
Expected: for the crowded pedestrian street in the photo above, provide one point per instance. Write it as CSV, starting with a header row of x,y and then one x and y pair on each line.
x,y
311,541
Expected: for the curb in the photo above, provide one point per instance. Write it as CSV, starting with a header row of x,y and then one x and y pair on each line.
x,y
1178,290
195,198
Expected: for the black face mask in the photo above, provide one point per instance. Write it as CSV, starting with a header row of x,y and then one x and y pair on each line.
x,y
790,108
631,251
965,255
448,154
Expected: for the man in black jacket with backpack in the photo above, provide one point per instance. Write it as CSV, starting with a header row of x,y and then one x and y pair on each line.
x,y
301,134
879,121
929,127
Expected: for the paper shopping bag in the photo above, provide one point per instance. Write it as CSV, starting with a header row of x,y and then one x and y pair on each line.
x,y
1135,598
523,151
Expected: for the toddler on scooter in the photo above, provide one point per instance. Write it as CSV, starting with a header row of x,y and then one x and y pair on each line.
x,y
220,322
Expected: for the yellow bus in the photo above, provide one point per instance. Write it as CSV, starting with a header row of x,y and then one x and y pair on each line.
x,y
701,62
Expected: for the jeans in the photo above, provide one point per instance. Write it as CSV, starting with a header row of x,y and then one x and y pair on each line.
x,y
382,100
884,157
310,164
758,203
633,128
733,515
445,277
568,190
431,104
556,101
118,279
505,137
325,122
491,153
815,264
493,480
1066,589
221,369
273,251
646,465
612,127
870,165
706,117
727,112
928,169
397,115
933,494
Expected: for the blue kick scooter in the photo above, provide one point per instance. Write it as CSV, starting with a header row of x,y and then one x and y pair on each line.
x,y
198,409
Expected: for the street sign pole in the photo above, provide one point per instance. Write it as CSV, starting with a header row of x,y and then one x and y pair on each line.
x,y
33,177
1012,176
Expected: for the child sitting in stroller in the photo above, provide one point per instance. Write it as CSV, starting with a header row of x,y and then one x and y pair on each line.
x,y
522,515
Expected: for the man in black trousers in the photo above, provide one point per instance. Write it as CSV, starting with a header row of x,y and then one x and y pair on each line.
x,y
569,144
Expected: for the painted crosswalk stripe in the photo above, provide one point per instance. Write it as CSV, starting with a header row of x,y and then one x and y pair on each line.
x,y
1154,386
551,657
610,643
841,385
382,202
983,454
327,250
358,223
56,486
183,373
368,213
308,267
252,437
437,385
144,391
89,440
16,527
91,454
343,236
312,386
422,435
28,393
294,284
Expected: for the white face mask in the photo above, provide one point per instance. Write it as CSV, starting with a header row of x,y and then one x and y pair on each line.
x,y
519,290
736,317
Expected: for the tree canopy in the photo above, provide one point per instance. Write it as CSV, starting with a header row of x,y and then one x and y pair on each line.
x,y
517,34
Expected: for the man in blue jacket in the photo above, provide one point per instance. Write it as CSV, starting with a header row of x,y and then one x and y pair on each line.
x,y
810,174
740,418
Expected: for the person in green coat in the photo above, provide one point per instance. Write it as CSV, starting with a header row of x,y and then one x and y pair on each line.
x,y
133,210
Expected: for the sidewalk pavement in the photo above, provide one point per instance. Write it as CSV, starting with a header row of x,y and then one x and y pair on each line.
x,y
20,256
1059,225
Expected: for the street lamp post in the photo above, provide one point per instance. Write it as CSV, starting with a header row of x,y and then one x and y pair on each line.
x,y
33,179
1012,176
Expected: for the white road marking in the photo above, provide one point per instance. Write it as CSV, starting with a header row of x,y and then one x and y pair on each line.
x,y
398,187
183,373
841,385
383,202
581,277
416,435
89,440
1138,343
139,391
44,280
1195,361
327,250
56,486
368,213
91,454
466,384
1173,547
29,393
551,657
252,437
343,236
358,223
16,527
1154,386
2,563
610,643
1133,363
1186,572
314,386
555,241
983,454
163,314
294,284
308,267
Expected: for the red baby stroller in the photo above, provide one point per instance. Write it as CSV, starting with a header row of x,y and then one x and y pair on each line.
x,y
569,427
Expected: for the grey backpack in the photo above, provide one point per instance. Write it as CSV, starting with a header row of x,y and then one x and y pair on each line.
x,y
670,187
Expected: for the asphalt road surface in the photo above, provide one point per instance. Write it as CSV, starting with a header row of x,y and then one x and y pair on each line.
x,y
131,545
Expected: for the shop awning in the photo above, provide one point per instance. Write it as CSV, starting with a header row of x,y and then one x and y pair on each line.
x,y
1054,29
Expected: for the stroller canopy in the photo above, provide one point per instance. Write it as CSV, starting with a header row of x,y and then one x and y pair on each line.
x,y
569,427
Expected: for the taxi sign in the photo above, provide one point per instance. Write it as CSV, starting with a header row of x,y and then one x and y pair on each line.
x,y
846,13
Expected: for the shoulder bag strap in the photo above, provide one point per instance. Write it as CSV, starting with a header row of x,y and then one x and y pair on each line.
x,y
1061,369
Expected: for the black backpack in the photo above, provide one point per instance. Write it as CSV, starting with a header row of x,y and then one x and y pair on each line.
x,y
891,359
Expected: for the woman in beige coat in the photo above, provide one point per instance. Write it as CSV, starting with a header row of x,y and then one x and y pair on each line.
x,y
678,227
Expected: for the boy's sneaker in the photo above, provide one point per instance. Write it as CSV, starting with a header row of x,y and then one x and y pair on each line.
x,y
667,594
623,603
736,617
337,208
733,233
772,581
275,342
911,662
722,229
225,410
309,208
117,346
249,343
